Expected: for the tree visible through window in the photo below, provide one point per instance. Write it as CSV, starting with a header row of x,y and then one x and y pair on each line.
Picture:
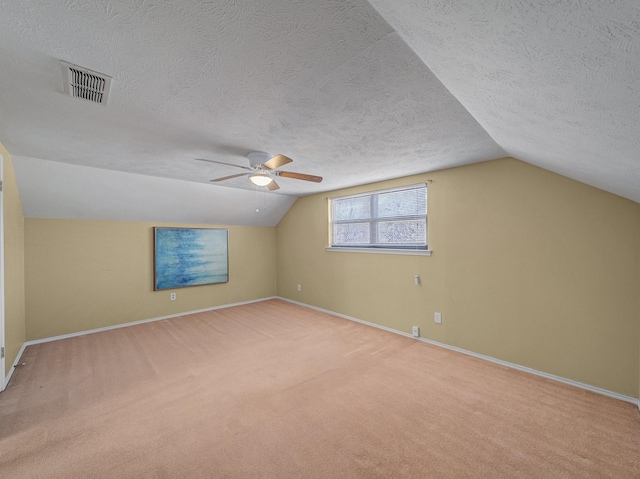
x,y
381,219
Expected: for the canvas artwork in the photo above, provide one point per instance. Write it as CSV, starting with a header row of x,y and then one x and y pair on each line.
x,y
190,257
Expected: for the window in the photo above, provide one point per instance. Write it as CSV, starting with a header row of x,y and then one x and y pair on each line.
x,y
387,219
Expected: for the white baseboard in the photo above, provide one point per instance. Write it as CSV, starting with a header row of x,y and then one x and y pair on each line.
x,y
134,323
553,377
597,390
13,367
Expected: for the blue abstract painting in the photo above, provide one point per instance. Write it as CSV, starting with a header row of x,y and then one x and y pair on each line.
x,y
190,257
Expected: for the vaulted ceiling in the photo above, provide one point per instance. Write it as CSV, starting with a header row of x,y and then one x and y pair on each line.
x,y
353,91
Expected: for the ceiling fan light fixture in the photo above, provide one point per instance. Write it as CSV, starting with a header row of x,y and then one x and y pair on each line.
x,y
260,178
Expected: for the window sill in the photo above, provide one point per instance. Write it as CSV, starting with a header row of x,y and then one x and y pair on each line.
x,y
409,252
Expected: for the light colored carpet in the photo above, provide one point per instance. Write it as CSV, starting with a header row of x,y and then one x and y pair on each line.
x,y
276,390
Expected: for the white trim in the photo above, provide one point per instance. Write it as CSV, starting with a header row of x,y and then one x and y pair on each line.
x,y
142,321
553,377
3,336
411,252
15,363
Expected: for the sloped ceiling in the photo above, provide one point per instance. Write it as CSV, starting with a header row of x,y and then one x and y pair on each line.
x,y
556,84
352,91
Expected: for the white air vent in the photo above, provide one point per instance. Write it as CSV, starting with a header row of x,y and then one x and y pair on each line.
x,y
86,84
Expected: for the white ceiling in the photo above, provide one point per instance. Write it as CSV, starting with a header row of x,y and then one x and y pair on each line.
x,y
55,190
353,91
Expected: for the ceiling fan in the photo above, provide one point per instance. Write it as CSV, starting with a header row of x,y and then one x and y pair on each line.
x,y
263,169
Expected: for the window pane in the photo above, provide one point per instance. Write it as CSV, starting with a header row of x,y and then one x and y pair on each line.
x,y
351,233
402,203
402,232
358,208
381,219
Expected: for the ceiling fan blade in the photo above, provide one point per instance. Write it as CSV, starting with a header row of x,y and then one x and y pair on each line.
x,y
299,176
277,161
223,163
273,186
228,177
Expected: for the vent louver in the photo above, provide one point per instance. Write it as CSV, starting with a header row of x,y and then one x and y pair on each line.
x,y
86,84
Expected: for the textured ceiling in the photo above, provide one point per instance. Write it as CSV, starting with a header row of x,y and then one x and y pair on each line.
x,y
556,84
352,91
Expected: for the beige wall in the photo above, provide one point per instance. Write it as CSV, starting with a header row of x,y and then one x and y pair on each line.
x,y
82,275
14,308
527,266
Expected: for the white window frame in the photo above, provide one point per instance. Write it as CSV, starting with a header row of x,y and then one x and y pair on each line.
x,y
374,247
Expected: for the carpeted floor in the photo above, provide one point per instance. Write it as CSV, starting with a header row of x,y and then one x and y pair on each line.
x,y
276,390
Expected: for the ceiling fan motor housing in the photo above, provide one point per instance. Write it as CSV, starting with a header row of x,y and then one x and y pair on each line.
x,y
257,158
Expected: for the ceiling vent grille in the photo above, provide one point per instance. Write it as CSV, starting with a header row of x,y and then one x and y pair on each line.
x,y
86,84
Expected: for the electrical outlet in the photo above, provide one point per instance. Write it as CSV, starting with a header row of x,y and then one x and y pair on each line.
x,y
437,318
299,288
415,330
173,296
